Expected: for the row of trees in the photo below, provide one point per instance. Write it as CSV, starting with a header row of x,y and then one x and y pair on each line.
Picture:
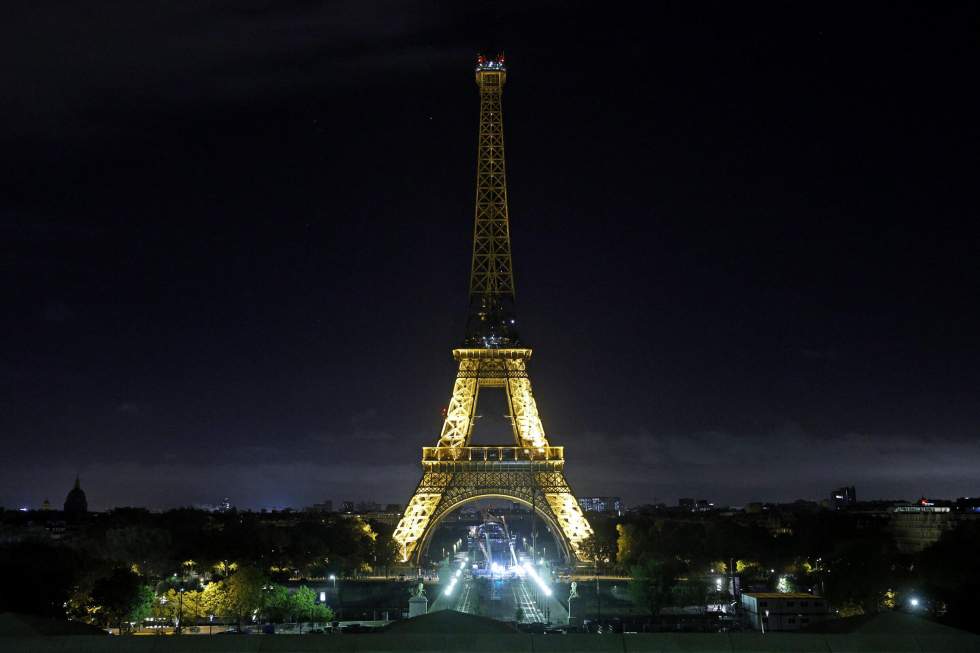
x,y
123,598
286,544
852,560
246,594
126,565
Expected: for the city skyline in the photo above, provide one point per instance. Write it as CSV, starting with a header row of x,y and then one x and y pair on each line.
x,y
746,270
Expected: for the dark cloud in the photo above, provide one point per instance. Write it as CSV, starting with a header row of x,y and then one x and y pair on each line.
x,y
782,465
237,234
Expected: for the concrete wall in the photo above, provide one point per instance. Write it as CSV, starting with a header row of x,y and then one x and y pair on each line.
x,y
390,643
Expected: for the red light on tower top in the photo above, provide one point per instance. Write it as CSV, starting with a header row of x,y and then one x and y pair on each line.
x,y
484,63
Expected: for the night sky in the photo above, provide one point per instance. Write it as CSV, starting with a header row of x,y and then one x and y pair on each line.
x,y
235,245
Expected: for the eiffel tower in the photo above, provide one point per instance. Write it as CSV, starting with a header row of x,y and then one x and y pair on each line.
x,y
529,470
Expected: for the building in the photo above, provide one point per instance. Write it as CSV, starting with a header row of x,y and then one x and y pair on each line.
x,y
777,611
917,526
602,504
385,517
688,504
843,497
76,503
323,506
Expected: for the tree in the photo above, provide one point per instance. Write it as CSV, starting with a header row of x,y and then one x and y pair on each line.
x,y
386,551
279,605
143,606
213,600
119,598
179,607
693,592
861,571
304,600
38,577
243,594
625,541
950,573
165,606
321,614
147,548
194,605
596,550
651,583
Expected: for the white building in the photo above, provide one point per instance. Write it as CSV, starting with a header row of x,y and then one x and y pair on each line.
x,y
778,611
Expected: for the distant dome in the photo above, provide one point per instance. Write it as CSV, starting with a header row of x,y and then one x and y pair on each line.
x,y
76,505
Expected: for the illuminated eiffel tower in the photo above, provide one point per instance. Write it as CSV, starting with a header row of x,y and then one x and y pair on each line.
x,y
529,470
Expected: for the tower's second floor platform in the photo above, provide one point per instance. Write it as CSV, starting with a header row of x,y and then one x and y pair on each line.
x,y
459,458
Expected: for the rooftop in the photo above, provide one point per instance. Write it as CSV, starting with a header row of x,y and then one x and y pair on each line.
x,y
780,595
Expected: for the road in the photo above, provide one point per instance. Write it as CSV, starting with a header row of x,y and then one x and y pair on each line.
x,y
525,601
498,598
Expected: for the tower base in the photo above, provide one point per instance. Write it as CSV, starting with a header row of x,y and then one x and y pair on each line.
x,y
468,474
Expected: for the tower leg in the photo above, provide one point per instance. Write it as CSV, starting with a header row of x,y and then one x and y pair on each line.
x,y
419,512
523,408
459,415
575,527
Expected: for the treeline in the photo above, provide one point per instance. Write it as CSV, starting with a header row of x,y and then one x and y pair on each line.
x,y
852,560
127,565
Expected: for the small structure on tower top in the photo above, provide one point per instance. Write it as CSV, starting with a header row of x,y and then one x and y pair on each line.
x,y
483,63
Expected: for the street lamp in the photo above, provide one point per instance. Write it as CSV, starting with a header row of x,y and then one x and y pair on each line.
x,y
340,603
180,610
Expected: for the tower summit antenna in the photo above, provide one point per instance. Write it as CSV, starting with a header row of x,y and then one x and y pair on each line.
x,y
491,322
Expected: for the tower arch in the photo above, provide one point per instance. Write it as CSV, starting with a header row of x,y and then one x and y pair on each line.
x,y
539,510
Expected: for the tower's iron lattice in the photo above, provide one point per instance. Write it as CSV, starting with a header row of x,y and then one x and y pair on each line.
x,y
529,470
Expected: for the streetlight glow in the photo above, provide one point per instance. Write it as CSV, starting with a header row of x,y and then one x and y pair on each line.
x,y
529,569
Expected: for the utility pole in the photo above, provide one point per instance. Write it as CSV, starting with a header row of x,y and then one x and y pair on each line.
x,y
534,523
598,599
180,608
